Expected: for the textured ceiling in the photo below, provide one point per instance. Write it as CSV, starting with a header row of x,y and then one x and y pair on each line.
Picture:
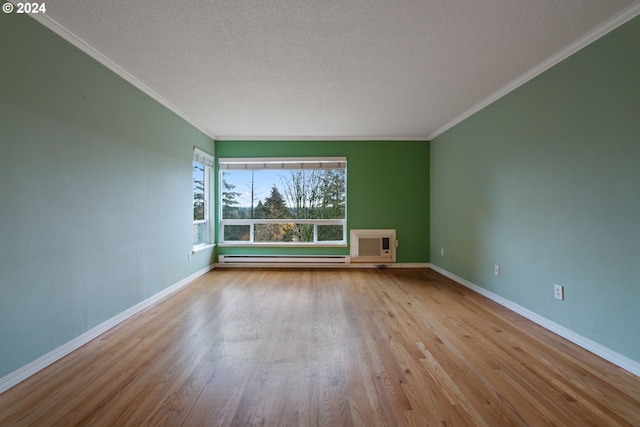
x,y
329,68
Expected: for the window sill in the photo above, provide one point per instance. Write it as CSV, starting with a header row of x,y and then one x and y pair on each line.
x,y
201,248
282,245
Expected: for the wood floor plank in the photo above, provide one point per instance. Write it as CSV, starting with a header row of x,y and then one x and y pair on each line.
x,y
326,348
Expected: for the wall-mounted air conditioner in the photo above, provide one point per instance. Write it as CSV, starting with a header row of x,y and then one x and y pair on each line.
x,y
377,246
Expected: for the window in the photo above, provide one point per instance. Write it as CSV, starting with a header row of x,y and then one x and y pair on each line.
x,y
284,201
202,163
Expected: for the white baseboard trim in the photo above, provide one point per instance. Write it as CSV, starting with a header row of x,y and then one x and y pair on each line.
x,y
323,265
42,362
592,346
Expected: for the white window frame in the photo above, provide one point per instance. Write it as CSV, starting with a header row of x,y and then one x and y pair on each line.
x,y
207,160
285,163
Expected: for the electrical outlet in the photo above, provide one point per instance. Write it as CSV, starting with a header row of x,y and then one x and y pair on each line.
x,y
496,270
190,256
558,292
441,251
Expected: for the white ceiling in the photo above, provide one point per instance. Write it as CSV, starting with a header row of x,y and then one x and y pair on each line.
x,y
334,69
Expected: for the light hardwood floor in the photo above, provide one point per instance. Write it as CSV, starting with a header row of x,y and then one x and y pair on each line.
x,y
331,348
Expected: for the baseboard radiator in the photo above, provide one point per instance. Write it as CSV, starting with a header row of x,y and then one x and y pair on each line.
x,y
283,260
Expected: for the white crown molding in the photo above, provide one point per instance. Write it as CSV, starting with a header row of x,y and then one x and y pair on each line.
x,y
85,47
608,26
42,362
321,138
592,346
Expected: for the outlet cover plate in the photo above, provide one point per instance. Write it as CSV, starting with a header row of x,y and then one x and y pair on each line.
x,y
558,292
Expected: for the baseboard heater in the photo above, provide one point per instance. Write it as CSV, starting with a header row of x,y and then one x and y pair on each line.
x,y
283,260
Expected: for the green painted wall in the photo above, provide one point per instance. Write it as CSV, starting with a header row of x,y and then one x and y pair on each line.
x,y
387,187
95,194
545,182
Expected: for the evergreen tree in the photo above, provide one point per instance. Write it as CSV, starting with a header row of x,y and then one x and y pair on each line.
x,y
273,207
333,204
198,191
230,210
333,194
259,211
229,199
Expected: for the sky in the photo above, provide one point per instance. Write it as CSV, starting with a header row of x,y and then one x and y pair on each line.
x,y
263,181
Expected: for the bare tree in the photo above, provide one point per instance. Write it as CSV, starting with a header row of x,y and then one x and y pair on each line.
x,y
253,195
304,192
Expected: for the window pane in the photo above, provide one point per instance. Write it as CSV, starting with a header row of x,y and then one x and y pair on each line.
x,y
289,232
236,233
199,234
303,233
283,194
330,233
273,232
297,191
198,191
